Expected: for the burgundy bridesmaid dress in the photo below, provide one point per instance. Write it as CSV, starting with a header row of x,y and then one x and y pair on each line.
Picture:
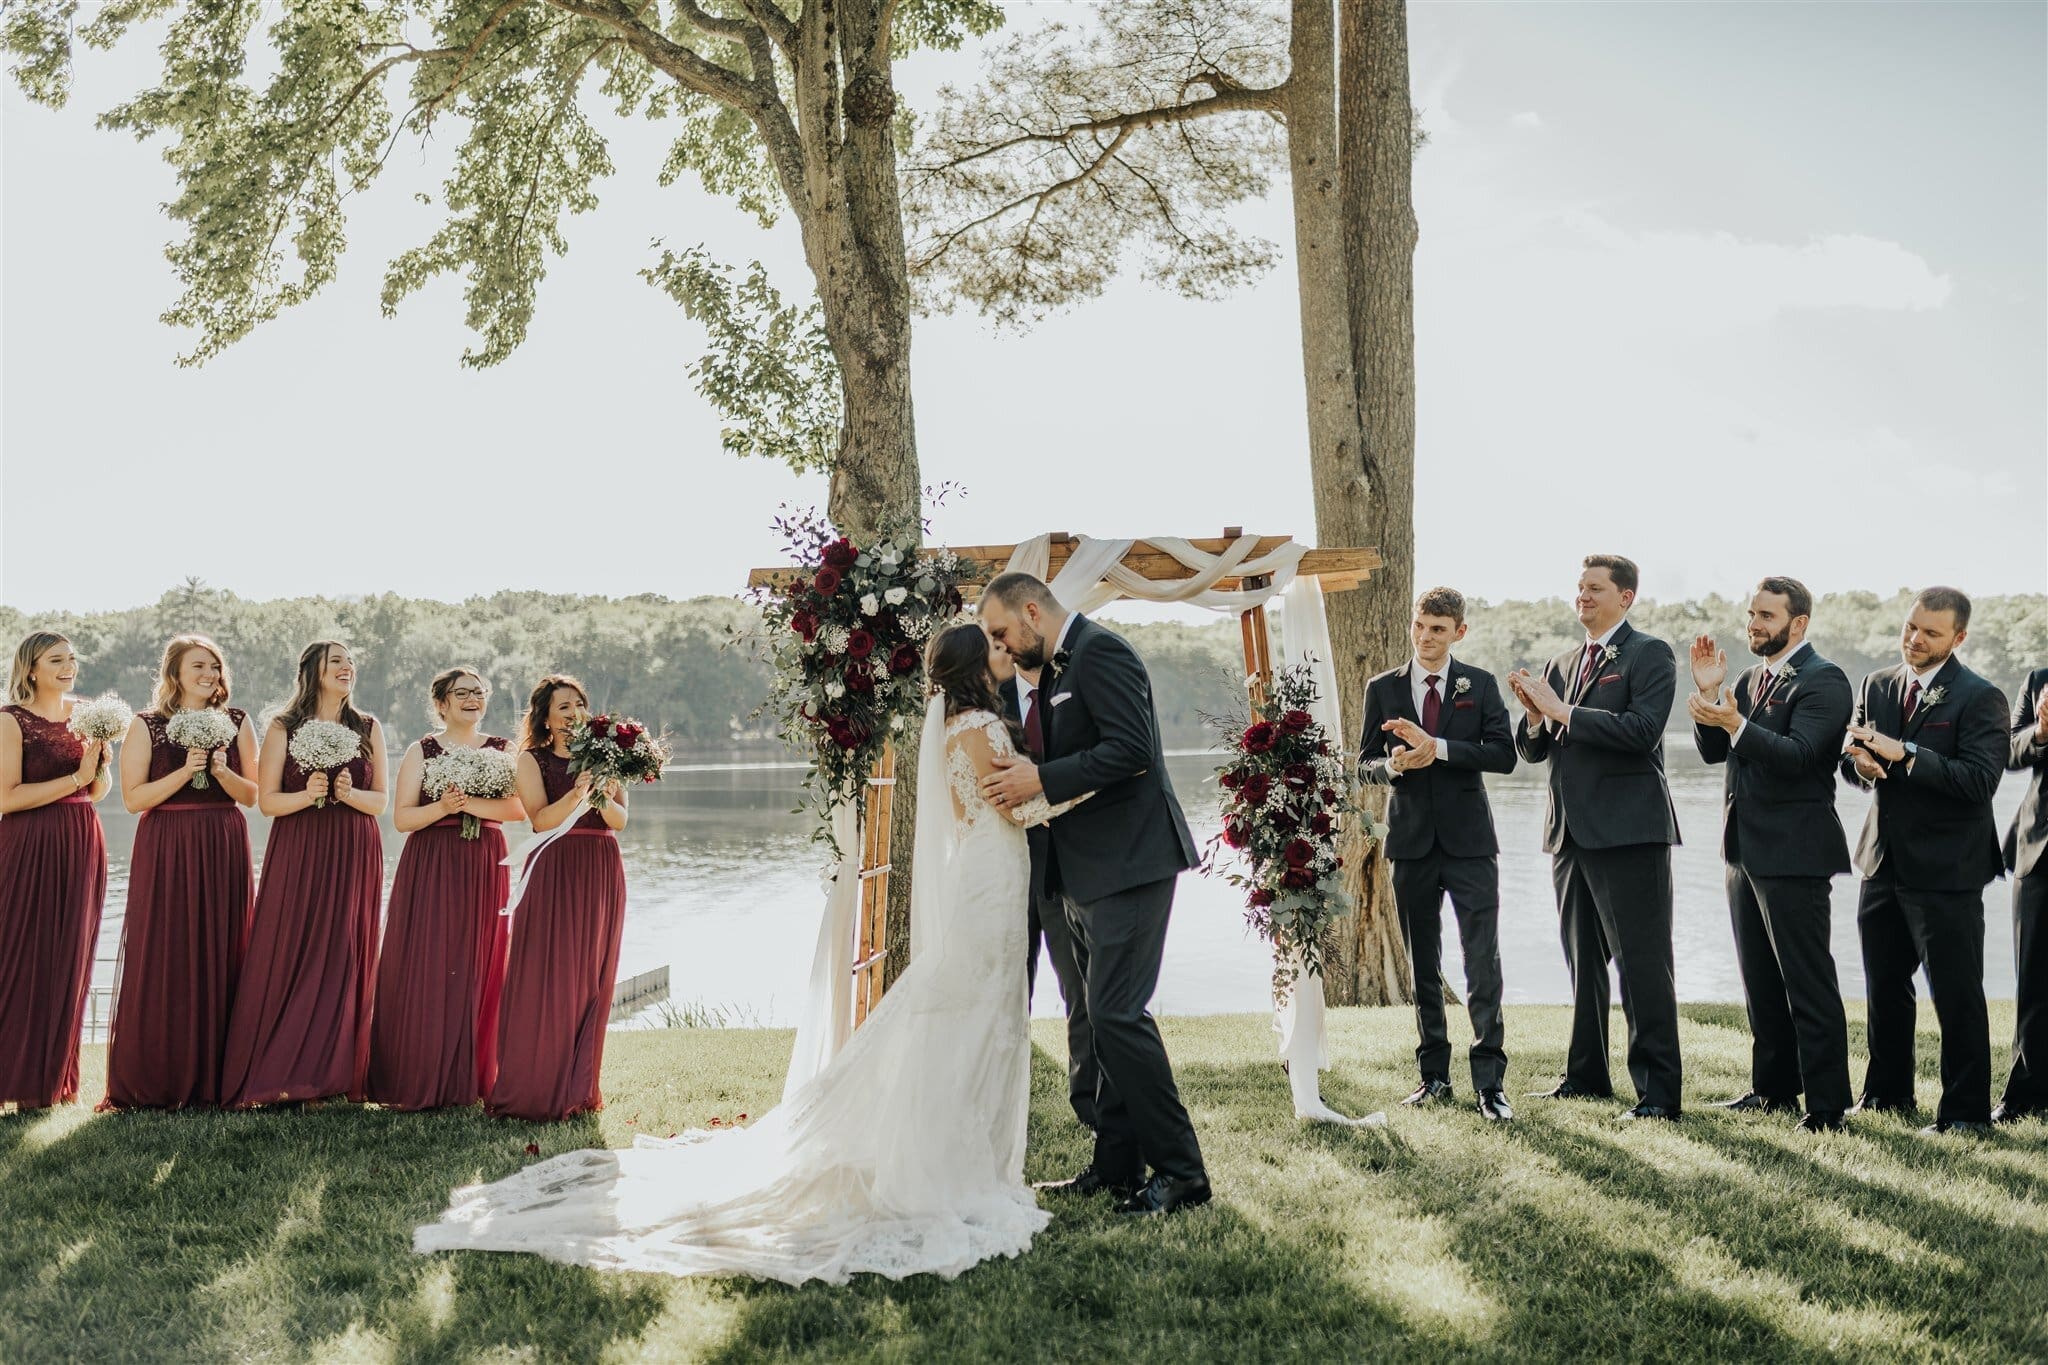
x,y
53,884
189,889
300,1026
564,960
434,1041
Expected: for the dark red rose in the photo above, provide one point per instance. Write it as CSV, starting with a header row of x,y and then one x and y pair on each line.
x,y
1235,834
903,659
840,554
1260,737
1261,895
1299,776
847,734
805,624
600,726
1284,820
1294,722
1321,823
1297,879
797,587
1329,796
1255,789
1231,779
827,582
1322,748
860,679
1299,852
860,644
624,735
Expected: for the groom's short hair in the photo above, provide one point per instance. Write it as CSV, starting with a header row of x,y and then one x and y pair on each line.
x,y
1442,602
1619,568
1013,590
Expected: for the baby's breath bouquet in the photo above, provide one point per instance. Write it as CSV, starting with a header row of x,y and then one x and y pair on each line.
x,y
488,773
105,718
323,746
203,729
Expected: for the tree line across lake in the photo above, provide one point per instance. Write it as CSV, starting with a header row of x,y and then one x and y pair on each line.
x,y
674,663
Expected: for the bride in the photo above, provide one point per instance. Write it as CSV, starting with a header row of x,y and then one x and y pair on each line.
x,y
905,1154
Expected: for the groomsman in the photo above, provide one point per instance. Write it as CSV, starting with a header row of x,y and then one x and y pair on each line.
x,y
1780,734
1432,727
1048,915
1596,715
2026,1088
1930,739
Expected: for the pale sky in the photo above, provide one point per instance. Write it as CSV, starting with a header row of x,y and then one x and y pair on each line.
x,y
1734,289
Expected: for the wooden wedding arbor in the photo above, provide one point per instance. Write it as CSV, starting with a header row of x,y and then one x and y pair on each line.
x,y
1336,570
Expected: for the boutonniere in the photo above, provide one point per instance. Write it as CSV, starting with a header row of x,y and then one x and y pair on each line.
x,y
1610,654
1060,659
1787,674
1931,698
1461,687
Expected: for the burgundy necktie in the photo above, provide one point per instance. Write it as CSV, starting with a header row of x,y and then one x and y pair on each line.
x,y
1589,669
1034,731
1432,705
1765,692
1912,699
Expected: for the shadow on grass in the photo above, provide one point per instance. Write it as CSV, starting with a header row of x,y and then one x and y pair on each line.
x,y
211,1236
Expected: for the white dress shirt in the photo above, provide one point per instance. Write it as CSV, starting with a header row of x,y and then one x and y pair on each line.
x,y
1776,670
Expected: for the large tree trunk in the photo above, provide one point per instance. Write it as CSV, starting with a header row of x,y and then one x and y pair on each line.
x,y
1367,962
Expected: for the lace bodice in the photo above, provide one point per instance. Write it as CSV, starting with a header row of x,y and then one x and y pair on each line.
x,y
166,758
48,748
969,806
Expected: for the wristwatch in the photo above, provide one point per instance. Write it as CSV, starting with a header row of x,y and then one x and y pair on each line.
x,y
1912,751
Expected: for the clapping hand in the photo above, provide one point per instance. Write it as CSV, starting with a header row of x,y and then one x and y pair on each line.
x,y
2041,717
1415,741
1538,697
1403,759
1882,746
1716,712
1709,665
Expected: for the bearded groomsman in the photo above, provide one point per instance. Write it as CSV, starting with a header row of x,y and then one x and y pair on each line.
x,y
1433,726
1597,715
1780,734
2026,1088
1930,739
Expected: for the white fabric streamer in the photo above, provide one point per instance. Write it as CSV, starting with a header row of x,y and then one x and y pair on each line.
x,y
827,1020
523,856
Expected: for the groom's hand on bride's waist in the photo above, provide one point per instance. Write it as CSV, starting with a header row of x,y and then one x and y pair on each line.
x,y
1014,782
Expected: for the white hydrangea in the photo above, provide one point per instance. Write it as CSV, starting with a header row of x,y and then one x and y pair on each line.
x,y
835,689
870,606
896,596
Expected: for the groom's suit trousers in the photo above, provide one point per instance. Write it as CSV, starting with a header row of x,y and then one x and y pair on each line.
x,y
1139,1119
1049,921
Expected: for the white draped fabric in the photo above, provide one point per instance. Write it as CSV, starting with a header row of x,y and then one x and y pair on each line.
x,y
827,1020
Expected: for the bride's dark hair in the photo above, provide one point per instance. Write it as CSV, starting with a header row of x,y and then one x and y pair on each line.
x,y
956,665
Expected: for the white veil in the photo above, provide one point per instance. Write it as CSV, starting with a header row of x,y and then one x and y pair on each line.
x,y
932,851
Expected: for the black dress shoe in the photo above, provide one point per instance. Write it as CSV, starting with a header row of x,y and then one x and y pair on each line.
x,y
1649,1111
1822,1121
1570,1090
2008,1112
1752,1103
1962,1127
1089,1181
1878,1104
1430,1092
1493,1106
1162,1194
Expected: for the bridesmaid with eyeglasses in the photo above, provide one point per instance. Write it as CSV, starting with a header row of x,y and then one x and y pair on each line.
x,y
434,1039
53,874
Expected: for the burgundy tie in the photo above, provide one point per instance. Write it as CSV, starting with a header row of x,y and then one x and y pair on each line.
x,y
1912,699
1432,705
1589,669
1765,692
1034,731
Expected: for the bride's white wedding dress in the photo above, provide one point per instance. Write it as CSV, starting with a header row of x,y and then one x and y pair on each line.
x,y
903,1156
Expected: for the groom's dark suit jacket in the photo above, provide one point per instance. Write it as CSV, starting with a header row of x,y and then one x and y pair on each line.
x,y
1034,835
1607,767
2027,840
1778,815
1102,736
1931,828
1444,803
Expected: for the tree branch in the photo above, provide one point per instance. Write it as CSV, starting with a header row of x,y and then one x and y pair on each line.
x,y
1242,99
469,53
1037,199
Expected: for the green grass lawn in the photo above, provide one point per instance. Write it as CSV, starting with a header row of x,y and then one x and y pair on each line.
x,y
286,1236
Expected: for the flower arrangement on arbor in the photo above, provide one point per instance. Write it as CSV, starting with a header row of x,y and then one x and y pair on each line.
x,y
845,638
1285,794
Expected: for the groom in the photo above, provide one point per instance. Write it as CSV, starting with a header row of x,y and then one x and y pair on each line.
x,y
1111,862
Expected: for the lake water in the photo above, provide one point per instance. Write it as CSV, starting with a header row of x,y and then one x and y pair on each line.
x,y
724,889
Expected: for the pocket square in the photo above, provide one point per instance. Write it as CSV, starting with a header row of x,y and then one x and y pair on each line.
x,y
1464,705
1937,725
1060,697
1611,677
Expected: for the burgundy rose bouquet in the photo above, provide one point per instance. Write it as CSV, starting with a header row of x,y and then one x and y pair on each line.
x,y
613,749
845,635
1285,792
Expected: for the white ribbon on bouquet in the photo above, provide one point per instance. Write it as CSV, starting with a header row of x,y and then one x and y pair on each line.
x,y
529,850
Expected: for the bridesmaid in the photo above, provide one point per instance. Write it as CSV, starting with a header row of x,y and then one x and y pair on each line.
x,y
53,874
300,1026
434,1040
189,889
565,931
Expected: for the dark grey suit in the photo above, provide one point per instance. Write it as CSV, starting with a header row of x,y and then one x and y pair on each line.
x,y
1783,840
2026,1087
1609,826
1440,840
1929,846
1114,859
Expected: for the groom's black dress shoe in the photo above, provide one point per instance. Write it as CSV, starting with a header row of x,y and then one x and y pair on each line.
x,y
2006,1112
1162,1194
1430,1092
1090,1181
1964,1127
1570,1090
1649,1111
1877,1104
1493,1106
1751,1102
1823,1121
